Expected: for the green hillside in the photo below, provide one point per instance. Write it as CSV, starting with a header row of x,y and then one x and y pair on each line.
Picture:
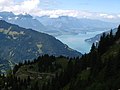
x,y
97,70
18,44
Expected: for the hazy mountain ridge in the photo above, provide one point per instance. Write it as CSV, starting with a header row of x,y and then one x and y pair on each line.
x,y
73,25
57,26
26,21
97,37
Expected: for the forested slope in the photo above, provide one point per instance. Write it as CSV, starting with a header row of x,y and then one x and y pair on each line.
x,y
97,70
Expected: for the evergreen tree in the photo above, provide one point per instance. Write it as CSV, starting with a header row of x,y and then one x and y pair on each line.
x,y
93,47
118,33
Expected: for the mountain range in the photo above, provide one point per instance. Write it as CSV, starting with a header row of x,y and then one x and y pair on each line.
x,y
57,26
73,25
26,21
18,44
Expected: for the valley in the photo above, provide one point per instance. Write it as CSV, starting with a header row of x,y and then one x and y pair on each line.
x,y
96,70
78,42
59,45
19,44
62,27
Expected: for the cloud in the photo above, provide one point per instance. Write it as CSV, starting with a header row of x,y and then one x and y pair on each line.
x,y
108,16
118,15
5,2
57,13
75,13
111,16
26,6
33,7
29,4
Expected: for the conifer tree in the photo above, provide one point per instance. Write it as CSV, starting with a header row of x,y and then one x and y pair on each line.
x,y
118,33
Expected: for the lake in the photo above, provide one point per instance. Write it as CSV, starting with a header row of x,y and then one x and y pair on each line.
x,y
77,42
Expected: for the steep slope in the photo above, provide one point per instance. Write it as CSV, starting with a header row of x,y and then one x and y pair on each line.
x,y
18,44
97,70
97,37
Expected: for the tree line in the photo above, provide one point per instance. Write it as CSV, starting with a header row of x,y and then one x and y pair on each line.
x,y
93,71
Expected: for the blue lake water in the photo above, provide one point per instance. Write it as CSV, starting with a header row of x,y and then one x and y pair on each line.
x,y
77,42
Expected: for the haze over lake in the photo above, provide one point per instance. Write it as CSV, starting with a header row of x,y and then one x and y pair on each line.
x,y
77,42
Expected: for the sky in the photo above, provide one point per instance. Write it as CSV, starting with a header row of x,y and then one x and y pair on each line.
x,y
110,6
95,9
